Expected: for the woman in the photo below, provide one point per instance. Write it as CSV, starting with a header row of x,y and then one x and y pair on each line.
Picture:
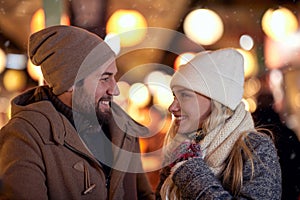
x,y
212,150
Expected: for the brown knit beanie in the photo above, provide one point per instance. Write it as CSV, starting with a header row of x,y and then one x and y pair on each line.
x,y
62,50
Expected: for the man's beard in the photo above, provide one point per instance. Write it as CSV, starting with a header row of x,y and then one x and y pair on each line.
x,y
103,117
89,109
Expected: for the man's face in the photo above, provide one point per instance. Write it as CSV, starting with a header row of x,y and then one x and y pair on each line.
x,y
97,91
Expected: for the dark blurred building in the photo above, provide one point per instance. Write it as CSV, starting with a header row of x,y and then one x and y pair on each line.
x,y
286,142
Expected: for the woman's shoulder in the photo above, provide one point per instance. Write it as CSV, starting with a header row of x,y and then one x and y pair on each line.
x,y
260,142
258,137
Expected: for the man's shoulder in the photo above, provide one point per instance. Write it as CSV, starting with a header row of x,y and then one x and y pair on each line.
x,y
35,122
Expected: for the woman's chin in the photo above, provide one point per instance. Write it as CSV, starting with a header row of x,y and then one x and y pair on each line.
x,y
186,131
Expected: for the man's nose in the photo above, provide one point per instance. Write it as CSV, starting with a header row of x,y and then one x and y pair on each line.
x,y
113,89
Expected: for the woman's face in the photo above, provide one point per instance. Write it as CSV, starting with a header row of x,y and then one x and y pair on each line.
x,y
189,109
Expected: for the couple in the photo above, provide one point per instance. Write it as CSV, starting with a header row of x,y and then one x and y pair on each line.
x,y
68,140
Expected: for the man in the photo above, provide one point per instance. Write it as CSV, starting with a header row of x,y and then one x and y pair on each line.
x,y
67,140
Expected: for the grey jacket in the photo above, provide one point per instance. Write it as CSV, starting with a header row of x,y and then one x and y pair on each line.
x,y
196,181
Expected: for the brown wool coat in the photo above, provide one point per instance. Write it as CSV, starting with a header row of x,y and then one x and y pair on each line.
x,y
42,157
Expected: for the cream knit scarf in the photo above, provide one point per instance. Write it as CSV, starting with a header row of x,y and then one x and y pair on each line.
x,y
218,143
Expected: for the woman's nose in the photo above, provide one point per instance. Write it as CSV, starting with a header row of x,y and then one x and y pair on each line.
x,y
174,107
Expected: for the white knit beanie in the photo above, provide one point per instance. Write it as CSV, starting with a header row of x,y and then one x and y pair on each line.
x,y
218,75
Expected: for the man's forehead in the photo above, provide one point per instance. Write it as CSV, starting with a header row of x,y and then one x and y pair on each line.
x,y
107,68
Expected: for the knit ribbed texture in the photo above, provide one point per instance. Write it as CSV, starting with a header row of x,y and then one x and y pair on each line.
x,y
218,75
62,50
219,142
217,145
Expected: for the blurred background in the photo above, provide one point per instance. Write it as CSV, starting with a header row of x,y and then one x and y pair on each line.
x,y
266,32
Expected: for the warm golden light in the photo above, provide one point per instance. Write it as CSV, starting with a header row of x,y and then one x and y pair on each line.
x,y
37,21
122,98
250,63
65,19
203,26
2,60
183,59
34,71
297,100
139,95
164,97
154,80
129,24
159,85
251,87
251,104
14,80
279,23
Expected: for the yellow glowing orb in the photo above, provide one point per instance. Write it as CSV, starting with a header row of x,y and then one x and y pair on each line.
x,y
37,21
14,80
183,59
2,61
203,26
34,71
130,25
250,63
139,95
279,23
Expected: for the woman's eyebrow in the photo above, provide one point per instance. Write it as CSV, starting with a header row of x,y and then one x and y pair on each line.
x,y
107,73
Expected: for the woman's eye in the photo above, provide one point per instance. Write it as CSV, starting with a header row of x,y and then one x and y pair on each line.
x,y
104,79
184,95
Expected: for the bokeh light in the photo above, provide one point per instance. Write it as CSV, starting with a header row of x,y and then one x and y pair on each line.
x,y
16,61
279,23
276,82
14,80
183,59
251,104
203,26
2,60
155,80
252,86
246,42
129,24
297,100
34,71
250,63
4,102
122,98
114,42
37,21
139,95
163,97
65,19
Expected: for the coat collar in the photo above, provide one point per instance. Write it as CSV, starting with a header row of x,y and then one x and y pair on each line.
x,y
124,131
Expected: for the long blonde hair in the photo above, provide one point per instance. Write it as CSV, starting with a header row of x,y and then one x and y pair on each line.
x,y
232,174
